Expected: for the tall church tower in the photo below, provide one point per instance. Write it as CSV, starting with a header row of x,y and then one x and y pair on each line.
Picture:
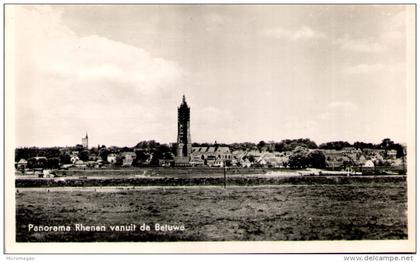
x,y
183,150
85,142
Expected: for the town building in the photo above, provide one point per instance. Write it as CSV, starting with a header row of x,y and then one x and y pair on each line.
x,y
80,164
111,158
183,150
210,156
93,157
369,163
166,162
392,154
22,164
196,160
74,158
128,158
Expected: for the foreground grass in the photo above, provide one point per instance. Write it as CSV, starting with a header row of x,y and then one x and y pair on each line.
x,y
291,212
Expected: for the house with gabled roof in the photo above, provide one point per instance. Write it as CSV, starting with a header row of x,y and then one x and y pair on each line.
x,y
211,155
128,158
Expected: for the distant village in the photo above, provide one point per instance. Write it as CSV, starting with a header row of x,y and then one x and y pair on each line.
x,y
297,153
288,153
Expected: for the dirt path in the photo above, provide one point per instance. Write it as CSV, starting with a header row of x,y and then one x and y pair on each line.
x,y
143,188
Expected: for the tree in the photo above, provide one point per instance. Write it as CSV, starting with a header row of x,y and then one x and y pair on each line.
x,y
362,145
37,162
65,159
303,157
386,143
316,159
291,144
279,147
141,157
299,157
336,145
29,152
201,144
79,147
119,160
149,145
103,153
261,145
84,155
168,156
400,150
126,149
173,148
53,163
161,152
243,146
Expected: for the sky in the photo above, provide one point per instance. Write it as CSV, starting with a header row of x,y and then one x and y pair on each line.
x,y
249,72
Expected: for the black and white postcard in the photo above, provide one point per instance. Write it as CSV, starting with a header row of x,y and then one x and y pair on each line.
x,y
209,128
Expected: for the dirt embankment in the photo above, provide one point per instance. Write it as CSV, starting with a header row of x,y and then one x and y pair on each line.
x,y
197,181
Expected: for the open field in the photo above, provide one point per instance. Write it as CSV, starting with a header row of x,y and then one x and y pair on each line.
x,y
201,181
187,172
191,177
362,209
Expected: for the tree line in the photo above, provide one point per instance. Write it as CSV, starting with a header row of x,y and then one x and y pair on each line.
x,y
304,151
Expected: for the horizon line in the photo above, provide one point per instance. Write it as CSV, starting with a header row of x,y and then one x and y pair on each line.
x,y
211,143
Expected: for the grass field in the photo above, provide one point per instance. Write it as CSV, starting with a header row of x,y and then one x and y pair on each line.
x,y
364,210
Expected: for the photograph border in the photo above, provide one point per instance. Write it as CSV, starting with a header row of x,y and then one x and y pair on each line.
x,y
408,246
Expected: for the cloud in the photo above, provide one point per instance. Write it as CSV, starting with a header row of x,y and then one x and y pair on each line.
x,y
375,68
296,123
209,118
336,111
393,33
303,33
342,105
360,45
92,81
339,120
211,123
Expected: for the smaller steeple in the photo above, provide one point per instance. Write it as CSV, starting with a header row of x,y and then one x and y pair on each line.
x,y
183,99
85,141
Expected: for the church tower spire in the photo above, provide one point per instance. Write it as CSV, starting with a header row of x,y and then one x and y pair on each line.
x,y
184,147
85,141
